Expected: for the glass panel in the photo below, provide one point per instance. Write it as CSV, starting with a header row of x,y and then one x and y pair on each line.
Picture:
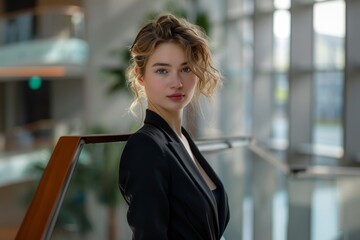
x,y
19,175
280,118
329,27
236,68
238,8
281,40
234,57
48,23
248,59
93,207
264,200
325,214
328,89
329,60
282,4
248,6
281,65
256,192
235,6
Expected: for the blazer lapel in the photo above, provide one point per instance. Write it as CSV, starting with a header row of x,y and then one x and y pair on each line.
x,y
222,208
194,173
185,160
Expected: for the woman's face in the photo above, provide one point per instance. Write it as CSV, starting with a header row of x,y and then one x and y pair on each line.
x,y
168,80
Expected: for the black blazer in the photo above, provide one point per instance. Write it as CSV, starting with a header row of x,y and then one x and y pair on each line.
x,y
167,196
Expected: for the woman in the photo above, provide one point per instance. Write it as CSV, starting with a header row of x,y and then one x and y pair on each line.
x,y
172,191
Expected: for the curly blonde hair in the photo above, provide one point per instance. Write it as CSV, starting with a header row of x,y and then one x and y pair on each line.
x,y
168,28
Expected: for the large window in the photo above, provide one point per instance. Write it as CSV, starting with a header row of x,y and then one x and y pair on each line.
x,y
281,67
329,60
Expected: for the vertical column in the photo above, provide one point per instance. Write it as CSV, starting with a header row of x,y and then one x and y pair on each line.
x,y
349,197
262,85
300,79
263,177
352,83
300,113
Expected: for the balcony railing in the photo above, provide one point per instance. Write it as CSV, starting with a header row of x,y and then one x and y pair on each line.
x,y
42,23
42,213
259,176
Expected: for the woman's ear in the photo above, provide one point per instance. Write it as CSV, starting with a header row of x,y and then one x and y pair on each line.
x,y
139,78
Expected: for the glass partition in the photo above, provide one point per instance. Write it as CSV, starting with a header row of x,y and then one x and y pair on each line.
x,y
93,207
329,62
42,23
19,178
266,201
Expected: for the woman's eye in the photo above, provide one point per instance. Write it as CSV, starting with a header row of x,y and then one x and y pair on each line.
x,y
161,71
186,69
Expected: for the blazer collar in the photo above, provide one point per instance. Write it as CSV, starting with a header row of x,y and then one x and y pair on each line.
x,y
156,120
184,158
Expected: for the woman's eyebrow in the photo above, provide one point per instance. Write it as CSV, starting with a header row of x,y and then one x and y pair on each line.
x,y
166,64
161,64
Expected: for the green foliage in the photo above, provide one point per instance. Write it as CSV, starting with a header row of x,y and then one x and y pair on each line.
x,y
202,20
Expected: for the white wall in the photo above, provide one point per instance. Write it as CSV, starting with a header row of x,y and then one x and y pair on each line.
x,y
111,24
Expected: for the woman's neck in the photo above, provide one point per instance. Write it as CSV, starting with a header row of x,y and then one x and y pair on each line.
x,y
174,119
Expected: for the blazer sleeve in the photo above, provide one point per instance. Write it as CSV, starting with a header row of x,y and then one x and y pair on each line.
x,y
144,183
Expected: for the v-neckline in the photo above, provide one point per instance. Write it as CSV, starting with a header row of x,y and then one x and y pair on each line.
x,y
209,182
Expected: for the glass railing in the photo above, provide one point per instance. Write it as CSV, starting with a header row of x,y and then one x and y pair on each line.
x,y
37,135
81,171
42,23
78,195
43,36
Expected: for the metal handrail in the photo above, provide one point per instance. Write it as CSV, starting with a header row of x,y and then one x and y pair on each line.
x,y
307,171
209,145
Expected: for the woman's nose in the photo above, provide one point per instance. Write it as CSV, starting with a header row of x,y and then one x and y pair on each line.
x,y
177,82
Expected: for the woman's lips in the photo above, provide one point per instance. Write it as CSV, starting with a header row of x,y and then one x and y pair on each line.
x,y
176,97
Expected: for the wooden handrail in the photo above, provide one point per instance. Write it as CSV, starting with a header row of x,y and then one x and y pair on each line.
x,y
41,215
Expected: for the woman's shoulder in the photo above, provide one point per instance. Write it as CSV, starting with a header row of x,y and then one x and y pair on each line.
x,y
148,132
147,141
147,137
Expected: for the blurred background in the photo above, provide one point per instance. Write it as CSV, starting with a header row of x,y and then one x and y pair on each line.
x,y
291,82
